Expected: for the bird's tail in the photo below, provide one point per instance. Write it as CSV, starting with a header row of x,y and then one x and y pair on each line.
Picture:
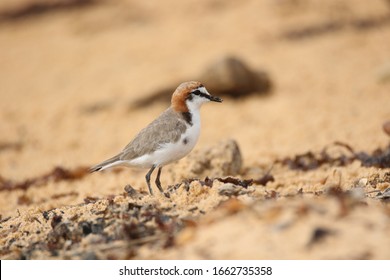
x,y
106,164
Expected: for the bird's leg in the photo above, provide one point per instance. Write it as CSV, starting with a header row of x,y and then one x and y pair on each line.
x,y
158,183
148,179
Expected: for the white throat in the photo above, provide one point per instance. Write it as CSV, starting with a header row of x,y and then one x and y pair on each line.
x,y
197,101
194,106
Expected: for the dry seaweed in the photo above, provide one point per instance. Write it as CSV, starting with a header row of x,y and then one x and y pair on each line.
x,y
312,31
56,175
379,158
235,181
245,183
310,160
15,146
4,220
358,24
39,8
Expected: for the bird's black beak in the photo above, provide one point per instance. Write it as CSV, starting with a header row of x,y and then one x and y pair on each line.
x,y
215,99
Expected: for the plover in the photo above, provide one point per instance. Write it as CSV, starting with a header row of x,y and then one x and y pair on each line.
x,y
168,138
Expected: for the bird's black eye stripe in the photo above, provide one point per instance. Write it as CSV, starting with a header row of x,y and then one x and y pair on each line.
x,y
199,93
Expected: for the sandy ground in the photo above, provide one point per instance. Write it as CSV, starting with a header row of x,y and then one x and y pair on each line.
x,y
69,75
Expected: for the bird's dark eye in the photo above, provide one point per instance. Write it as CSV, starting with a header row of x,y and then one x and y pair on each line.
x,y
196,92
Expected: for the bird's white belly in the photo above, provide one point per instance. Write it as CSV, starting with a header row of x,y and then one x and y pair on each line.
x,y
170,152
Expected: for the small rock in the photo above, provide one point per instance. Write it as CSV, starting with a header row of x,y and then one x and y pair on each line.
x,y
130,191
386,127
219,160
230,76
362,182
229,189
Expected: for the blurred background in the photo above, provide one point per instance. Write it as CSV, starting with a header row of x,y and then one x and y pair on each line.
x,y
78,77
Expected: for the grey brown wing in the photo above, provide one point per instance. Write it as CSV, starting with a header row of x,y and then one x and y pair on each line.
x,y
167,128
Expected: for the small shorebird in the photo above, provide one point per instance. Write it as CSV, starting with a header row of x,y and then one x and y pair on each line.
x,y
168,138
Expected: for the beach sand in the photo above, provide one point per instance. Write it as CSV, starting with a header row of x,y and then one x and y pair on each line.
x,y
69,75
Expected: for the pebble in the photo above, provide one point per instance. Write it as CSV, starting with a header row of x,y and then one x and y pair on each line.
x,y
386,127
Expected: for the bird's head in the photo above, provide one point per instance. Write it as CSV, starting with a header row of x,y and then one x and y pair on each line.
x,y
190,96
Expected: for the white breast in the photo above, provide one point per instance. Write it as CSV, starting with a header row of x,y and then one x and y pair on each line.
x,y
174,151
171,152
